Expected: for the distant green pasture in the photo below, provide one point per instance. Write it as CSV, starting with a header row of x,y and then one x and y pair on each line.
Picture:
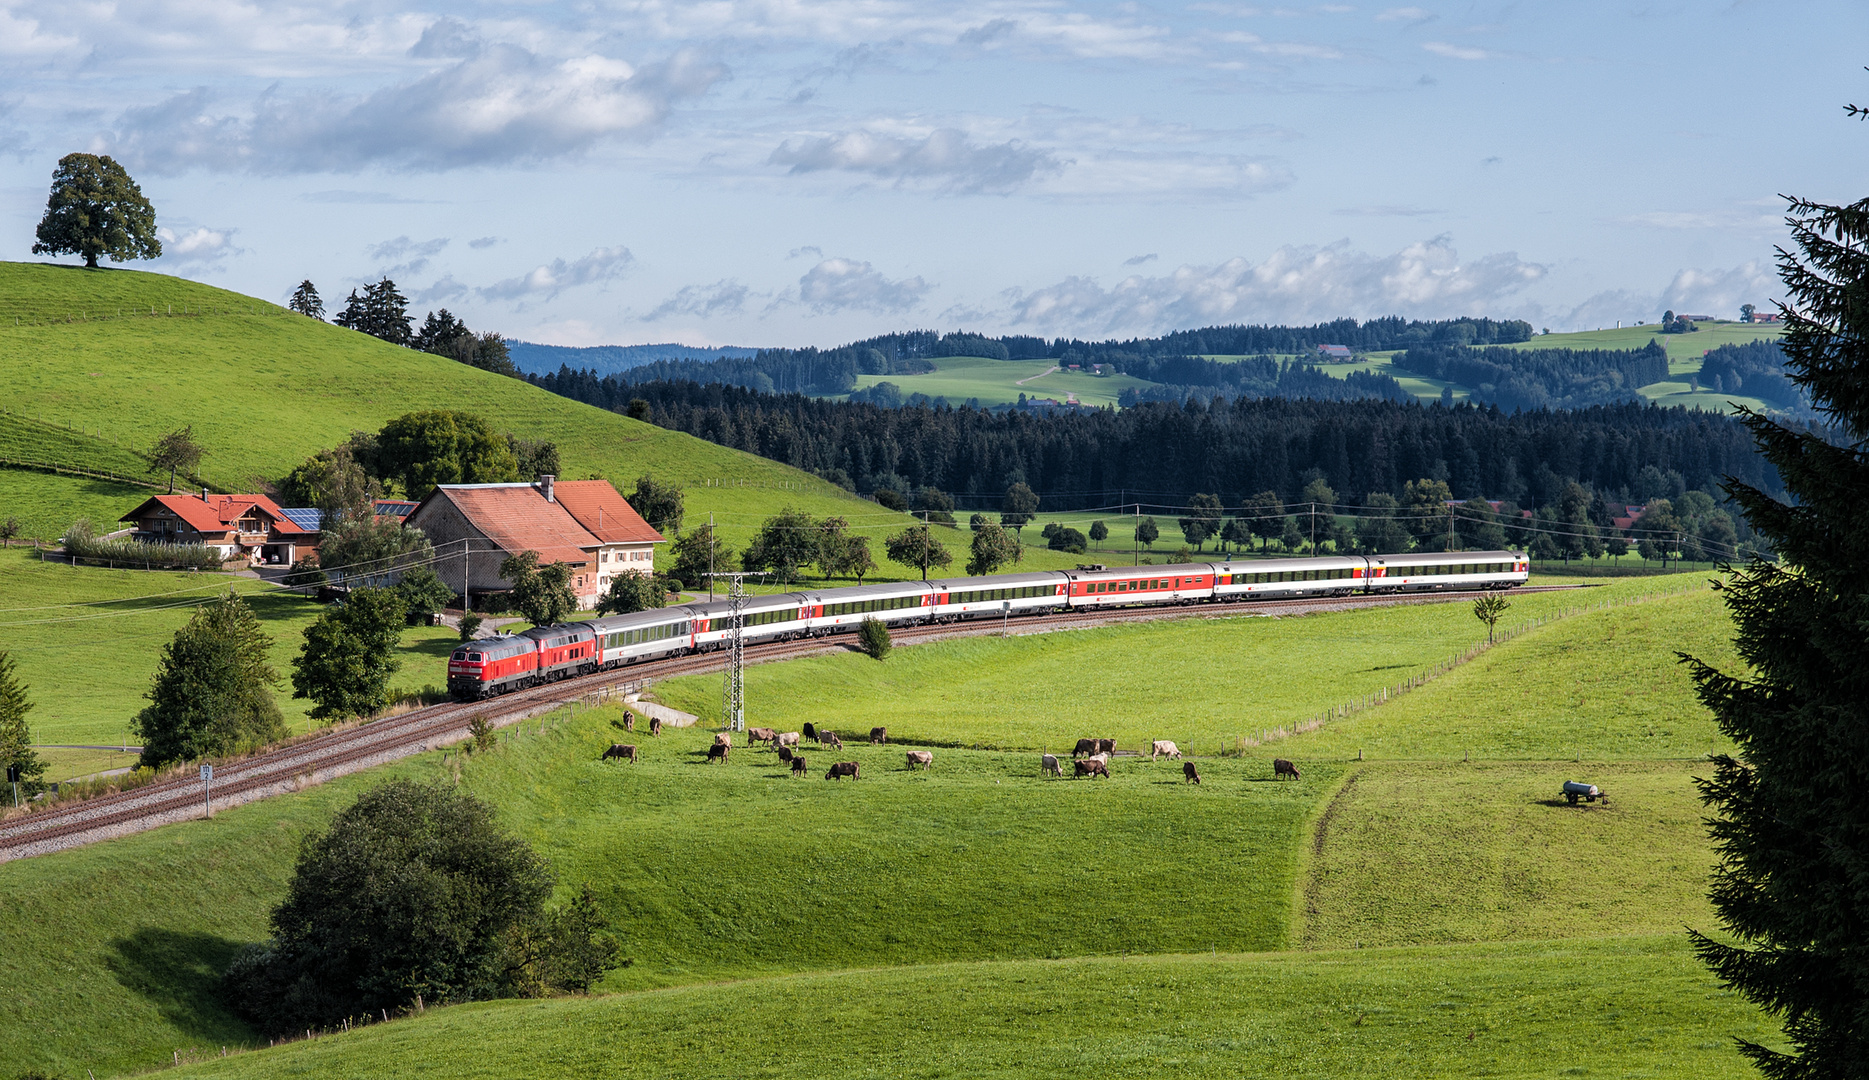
x,y
998,382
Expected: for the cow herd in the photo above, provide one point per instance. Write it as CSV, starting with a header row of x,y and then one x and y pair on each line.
x,y
1090,758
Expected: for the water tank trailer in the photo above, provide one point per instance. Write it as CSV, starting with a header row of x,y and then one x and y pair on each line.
x,y
1588,792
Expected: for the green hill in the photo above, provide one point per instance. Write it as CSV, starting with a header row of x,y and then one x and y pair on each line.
x,y
93,377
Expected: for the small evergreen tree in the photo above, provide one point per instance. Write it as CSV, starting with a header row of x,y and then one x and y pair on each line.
x,y
873,637
348,655
96,209
212,693
15,733
306,302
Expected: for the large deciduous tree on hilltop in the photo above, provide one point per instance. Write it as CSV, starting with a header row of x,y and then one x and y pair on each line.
x,y
1791,803
96,209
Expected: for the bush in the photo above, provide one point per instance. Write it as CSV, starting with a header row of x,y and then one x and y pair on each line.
x,y
305,574
470,625
422,593
213,690
1068,540
873,638
414,891
137,555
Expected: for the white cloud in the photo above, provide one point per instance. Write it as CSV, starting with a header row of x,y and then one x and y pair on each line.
x,y
1456,52
197,245
1404,14
1294,285
413,255
1167,174
1720,292
503,104
846,285
722,298
554,277
946,156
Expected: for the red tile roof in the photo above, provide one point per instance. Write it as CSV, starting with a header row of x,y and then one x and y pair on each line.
x,y
604,513
517,517
219,513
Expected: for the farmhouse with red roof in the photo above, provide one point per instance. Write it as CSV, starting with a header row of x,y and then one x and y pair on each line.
x,y
584,524
239,525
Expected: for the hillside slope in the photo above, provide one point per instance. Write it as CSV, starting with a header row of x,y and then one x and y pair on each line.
x,y
265,388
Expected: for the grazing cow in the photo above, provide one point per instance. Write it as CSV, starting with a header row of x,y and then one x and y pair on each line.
x,y
629,720
841,770
718,751
620,751
1090,767
1103,757
785,753
811,732
723,738
1282,768
1189,773
1106,746
655,725
798,765
830,739
1050,763
1164,746
788,738
1085,747
760,734
878,736
923,758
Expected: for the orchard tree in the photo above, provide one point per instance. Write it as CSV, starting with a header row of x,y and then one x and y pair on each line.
x,y
1147,533
1203,519
630,592
541,593
1099,532
993,547
1790,807
916,548
659,503
1016,511
347,657
306,302
96,209
1265,516
785,543
175,452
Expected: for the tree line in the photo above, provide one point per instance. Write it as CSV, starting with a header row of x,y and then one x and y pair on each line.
x,y
383,312
1542,378
1180,378
1755,369
1233,448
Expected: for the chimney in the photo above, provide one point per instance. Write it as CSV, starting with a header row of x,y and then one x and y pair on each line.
x,y
545,486
204,493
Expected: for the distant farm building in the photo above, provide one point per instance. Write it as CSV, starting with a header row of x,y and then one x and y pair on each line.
x,y
1334,352
584,524
252,526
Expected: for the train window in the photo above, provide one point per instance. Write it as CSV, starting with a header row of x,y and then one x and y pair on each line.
x,y
473,657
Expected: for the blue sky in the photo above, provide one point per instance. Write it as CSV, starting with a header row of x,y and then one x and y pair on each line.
x,y
796,172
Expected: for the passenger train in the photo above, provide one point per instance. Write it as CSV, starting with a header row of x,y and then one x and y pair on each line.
x,y
496,665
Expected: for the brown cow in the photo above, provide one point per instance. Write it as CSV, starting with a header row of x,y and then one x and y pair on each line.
x,y
1189,773
1164,747
718,751
629,720
1106,746
1085,747
1090,767
723,738
785,753
798,765
1282,768
620,751
878,736
841,770
760,734
830,739
920,757
655,725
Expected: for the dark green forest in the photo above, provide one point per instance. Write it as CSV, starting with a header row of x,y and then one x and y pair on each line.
x,y
1541,378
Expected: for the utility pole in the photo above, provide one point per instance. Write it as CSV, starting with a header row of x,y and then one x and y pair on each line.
x,y
710,555
733,686
1314,528
1135,545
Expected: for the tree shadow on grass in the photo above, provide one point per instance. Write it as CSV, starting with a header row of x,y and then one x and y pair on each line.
x,y
179,972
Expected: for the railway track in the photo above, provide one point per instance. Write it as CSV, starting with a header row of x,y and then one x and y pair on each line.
x,y
340,751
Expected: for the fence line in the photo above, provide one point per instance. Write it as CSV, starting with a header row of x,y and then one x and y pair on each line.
x,y
1389,693
73,470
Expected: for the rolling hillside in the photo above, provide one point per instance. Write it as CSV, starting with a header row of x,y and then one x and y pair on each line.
x,y
95,376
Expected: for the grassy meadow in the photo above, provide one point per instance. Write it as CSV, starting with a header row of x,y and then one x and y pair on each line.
x,y
1122,926
265,388
1000,382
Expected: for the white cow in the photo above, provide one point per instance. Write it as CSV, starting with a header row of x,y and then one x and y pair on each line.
x,y
1164,747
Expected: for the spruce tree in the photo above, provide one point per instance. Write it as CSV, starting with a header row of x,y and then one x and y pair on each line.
x,y
15,735
1792,800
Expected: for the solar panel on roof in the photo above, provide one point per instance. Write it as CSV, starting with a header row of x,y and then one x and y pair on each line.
x,y
305,517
